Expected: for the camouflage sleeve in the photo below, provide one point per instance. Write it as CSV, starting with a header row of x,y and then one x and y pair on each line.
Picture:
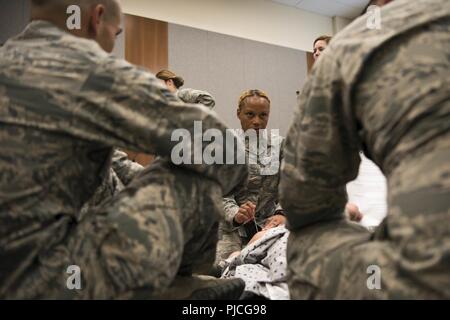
x,y
279,209
126,107
197,96
230,207
124,167
319,157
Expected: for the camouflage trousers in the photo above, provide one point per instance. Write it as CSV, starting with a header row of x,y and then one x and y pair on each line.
x,y
110,187
162,224
408,257
229,242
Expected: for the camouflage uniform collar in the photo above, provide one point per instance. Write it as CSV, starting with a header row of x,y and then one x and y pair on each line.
x,y
43,27
49,32
266,141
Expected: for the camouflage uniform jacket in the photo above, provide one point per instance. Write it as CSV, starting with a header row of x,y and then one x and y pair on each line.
x,y
260,189
65,105
329,129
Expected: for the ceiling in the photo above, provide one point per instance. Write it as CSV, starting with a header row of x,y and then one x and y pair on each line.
x,y
349,9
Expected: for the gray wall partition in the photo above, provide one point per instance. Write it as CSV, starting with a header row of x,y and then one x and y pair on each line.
x,y
14,16
226,65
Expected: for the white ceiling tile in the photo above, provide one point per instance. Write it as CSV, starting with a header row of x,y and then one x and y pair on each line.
x,y
324,7
353,12
342,8
330,8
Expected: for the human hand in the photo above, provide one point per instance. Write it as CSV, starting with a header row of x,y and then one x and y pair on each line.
x,y
245,213
353,213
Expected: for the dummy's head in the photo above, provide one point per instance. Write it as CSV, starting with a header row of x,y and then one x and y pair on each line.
x,y
274,221
100,20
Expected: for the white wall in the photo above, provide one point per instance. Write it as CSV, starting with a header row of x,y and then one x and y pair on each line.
x,y
259,20
339,23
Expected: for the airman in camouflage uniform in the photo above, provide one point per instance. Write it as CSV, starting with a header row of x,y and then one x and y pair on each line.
x,y
259,190
385,91
65,106
188,95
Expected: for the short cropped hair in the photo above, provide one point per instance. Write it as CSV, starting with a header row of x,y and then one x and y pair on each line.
x,y
252,93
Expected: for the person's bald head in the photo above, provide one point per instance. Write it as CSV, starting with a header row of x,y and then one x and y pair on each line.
x,y
100,19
